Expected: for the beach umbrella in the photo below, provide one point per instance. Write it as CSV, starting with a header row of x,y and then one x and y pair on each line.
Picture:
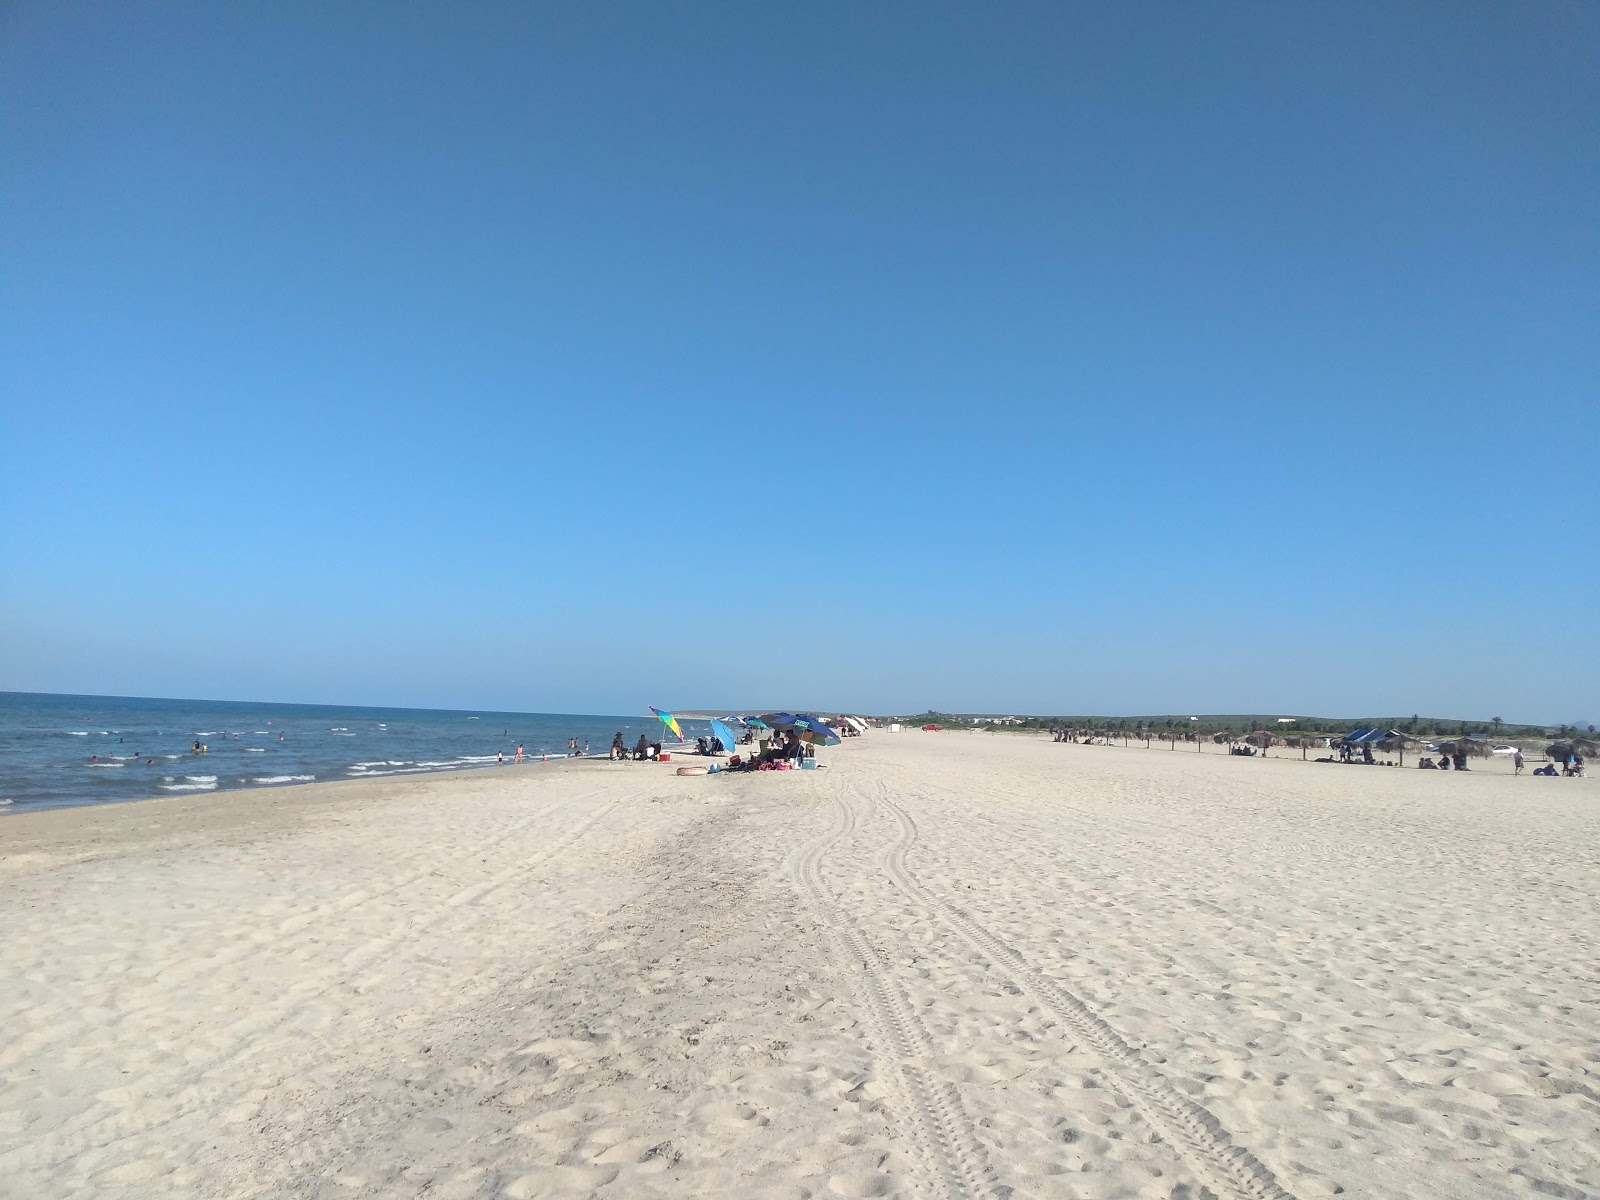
x,y
754,722
724,734
670,721
780,720
815,730
1396,743
1573,748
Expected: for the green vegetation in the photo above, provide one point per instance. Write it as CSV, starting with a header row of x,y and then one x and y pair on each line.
x,y
1213,723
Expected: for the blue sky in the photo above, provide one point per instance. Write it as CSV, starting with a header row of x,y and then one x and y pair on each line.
x,y
1034,357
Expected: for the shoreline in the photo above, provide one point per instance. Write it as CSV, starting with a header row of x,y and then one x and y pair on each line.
x,y
106,823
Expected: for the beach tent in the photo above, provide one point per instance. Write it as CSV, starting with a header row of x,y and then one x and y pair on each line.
x,y
1367,737
855,723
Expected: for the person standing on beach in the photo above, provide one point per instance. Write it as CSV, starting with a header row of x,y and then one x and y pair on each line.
x,y
617,748
1516,762
518,758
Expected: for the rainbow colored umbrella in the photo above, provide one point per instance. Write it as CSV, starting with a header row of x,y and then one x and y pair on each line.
x,y
670,721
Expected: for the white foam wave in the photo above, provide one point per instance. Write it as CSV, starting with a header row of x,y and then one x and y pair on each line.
x,y
466,758
205,733
188,787
284,778
355,774
338,729
201,778
77,733
4,803
255,749
105,764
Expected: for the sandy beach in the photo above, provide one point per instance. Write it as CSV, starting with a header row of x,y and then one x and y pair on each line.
x,y
945,965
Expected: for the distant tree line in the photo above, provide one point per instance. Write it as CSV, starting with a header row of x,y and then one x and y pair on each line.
x,y
1415,725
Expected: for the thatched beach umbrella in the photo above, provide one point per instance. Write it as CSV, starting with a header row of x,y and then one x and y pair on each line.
x,y
1260,738
1466,747
1397,743
1572,748
1300,743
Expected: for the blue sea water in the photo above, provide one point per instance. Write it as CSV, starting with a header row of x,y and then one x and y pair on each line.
x,y
66,750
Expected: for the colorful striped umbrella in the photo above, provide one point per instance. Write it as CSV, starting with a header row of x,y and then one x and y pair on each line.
x,y
670,721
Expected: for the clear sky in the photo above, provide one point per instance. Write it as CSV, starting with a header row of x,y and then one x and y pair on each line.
x,y
1032,357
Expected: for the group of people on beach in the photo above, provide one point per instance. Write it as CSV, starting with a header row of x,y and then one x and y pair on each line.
x,y
777,748
1572,768
573,751
644,750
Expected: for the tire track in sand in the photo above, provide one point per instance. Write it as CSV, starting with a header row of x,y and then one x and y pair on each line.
x,y
120,1126
951,1158
1190,1129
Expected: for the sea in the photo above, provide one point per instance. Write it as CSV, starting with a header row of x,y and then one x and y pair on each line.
x,y
57,751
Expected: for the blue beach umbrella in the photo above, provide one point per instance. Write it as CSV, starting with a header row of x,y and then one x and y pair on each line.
x,y
723,733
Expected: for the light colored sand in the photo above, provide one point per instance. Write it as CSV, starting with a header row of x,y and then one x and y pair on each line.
x,y
947,965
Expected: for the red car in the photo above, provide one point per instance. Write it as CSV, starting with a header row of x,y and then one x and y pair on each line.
x,y
932,728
